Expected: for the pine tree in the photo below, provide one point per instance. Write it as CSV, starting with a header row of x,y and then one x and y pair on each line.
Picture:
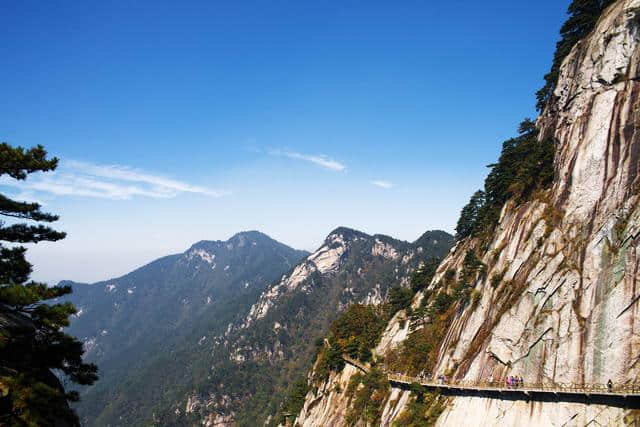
x,y
34,351
468,221
583,16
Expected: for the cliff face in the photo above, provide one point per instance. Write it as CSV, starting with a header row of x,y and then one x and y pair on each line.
x,y
560,300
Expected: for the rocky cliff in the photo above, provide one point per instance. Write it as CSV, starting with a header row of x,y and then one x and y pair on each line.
x,y
557,296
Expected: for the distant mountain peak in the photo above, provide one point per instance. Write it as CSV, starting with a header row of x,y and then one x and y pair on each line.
x,y
434,237
249,235
237,240
347,233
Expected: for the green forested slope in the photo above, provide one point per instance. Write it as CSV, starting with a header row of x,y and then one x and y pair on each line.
x,y
145,329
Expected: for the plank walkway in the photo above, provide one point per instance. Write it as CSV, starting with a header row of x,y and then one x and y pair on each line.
x,y
586,390
528,389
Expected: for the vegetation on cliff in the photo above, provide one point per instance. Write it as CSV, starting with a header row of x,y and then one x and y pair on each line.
x,y
430,321
423,409
367,394
524,170
525,165
260,365
583,15
356,331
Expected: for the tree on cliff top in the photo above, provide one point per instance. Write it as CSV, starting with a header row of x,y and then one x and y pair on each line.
x,y
32,343
583,15
525,165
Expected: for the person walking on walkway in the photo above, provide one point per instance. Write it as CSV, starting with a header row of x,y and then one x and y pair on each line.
x,y
609,385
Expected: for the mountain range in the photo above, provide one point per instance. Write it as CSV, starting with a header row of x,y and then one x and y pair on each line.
x,y
218,333
176,302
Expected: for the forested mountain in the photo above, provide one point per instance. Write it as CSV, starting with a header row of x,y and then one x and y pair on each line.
x,y
258,357
149,330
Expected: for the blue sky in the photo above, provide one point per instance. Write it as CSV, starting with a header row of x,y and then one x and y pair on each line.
x,y
182,121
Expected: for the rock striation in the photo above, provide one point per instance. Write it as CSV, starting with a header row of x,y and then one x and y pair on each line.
x,y
560,300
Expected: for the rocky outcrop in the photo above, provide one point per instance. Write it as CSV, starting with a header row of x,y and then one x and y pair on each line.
x,y
560,300
325,260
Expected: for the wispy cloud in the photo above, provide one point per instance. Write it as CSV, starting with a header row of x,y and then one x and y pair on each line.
x,y
319,160
382,184
74,178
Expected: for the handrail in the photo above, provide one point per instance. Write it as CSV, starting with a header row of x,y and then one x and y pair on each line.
x,y
562,387
363,367
617,390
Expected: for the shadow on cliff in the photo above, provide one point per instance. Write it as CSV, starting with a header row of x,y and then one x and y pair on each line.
x,y
629,402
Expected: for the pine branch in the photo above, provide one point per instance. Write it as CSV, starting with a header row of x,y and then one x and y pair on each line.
x,y
23,233
18,162
14,268
24,210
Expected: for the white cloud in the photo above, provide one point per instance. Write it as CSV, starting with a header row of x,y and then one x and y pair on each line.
x,y
319,160
74,178
382,184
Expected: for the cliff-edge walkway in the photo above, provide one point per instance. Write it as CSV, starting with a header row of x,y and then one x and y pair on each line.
x,y
552,388
617,395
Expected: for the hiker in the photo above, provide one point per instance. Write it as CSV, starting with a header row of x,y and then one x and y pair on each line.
x,y
610,385
506,382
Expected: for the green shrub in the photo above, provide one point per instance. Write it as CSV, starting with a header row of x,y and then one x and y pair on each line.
x,y
496,279
399,299
442,302
422,278
420,350
367,394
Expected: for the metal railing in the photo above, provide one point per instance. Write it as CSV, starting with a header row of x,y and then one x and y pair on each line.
x,y
586,389
500,386
363,367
